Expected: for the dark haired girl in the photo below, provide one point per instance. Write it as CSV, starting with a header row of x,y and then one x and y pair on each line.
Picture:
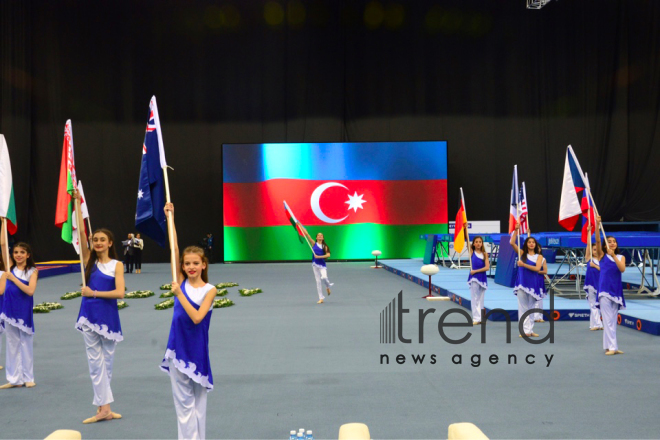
x,y
98,319
530,284
610,289
18,286
478,281
321,253
591,280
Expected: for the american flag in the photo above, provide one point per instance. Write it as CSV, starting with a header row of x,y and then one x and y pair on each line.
x,y
524,226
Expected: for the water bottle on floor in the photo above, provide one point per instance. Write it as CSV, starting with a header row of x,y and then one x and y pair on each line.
x,y
301,435
292,435
309,436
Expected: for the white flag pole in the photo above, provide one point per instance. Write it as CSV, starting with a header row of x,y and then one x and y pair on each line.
x,y
170,227
515,179
467,233
5,246
529,230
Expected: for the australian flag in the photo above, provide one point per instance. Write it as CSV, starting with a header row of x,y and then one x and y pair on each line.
x,y
149,215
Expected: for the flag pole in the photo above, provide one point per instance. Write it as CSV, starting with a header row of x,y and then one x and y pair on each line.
x,y
310,246
466,230
596,212
81,224
5,240
515,171
589,220
170,228
529,230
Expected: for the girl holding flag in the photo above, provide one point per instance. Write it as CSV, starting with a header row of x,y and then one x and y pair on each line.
x,y
98,319
591,280
321,253
478,281
187,357
530,283
610,289
18,287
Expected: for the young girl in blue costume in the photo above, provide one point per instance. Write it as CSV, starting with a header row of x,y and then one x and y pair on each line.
x,y
530,284
18,286
98,319
610,289
478,281
187,357
321,253
591,280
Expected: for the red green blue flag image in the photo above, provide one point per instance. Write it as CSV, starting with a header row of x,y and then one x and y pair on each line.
x,y
361,196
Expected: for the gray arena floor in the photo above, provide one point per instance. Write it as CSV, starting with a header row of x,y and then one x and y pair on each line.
x,y
281,362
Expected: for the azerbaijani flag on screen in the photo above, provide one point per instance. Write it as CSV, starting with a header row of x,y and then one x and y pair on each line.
x,y
361,196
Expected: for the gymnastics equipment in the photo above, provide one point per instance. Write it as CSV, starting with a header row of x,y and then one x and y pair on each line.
x,y
64,434
354,431
430,270
536,4
376,254
465,431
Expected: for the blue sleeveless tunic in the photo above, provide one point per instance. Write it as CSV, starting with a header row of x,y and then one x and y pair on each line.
x,y
480,278
188,344
529,281
610,284
592,277
318,250
101,315
17,305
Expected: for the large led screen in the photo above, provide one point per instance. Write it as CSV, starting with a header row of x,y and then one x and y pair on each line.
x,y
361,196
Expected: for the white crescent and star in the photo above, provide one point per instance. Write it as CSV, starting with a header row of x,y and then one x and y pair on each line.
x,y
354,202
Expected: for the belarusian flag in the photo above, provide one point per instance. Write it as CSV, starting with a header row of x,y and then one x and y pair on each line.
x,y
7,207
65,208
361,196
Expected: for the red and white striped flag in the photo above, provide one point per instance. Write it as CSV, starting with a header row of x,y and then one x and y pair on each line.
x,y
524,224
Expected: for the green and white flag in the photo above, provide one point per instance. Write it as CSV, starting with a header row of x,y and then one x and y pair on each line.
x,y
7,206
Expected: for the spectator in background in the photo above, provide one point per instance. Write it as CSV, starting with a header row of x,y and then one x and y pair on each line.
x,y
208,247
129,251
138,245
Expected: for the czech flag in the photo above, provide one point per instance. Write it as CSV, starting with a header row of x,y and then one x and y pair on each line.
x,y
461,225
570,208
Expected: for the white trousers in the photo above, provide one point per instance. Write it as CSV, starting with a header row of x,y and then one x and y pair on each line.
x,y
20,357
190,404
538,304
100,357
594,317
321,275
609,310
525,303
477,300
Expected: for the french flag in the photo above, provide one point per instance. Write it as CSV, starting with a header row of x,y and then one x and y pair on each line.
x,y
570,208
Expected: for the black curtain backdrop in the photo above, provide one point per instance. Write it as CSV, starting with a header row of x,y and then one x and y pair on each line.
x,y
502,84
